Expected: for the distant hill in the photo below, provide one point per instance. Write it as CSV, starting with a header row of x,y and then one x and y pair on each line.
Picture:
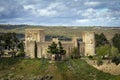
x,y
8,26
67,31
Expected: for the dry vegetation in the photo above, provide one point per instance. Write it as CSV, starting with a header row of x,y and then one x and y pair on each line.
x,y
107,67
68,31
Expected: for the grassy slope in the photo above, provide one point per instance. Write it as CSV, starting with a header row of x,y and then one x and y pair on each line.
x,y
28,69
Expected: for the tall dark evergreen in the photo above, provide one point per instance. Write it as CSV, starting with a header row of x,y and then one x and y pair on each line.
x,y
35,49
57,50
21,46
116,41
53,48
60,49
100,40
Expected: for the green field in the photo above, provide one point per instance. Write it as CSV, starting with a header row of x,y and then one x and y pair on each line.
x,y
35,69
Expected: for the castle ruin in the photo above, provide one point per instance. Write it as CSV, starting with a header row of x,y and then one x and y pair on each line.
x,y
36,45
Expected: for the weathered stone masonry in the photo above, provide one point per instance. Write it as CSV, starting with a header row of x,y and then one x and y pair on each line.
x,y
35,40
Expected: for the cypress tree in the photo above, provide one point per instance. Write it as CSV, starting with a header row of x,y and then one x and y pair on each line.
x,y
35,49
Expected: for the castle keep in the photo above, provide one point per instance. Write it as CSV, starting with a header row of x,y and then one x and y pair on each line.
x,y
36,45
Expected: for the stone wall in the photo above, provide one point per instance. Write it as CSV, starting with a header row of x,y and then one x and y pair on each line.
x,y
87,47
30,49
89,41
37,35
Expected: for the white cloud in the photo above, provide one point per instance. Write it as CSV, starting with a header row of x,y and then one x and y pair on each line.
x,y
89,12
27,7
91,3
95,13
81,20
51,10
93,21
46,12
1,9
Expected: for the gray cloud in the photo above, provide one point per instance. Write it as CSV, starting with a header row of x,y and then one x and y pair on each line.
x,y
64,12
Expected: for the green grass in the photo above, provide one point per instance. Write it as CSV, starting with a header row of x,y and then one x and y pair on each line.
x,y
29,69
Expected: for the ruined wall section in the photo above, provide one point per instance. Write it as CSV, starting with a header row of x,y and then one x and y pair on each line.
x,y
30,49
81,48
42,48
68,46
89,41
32,36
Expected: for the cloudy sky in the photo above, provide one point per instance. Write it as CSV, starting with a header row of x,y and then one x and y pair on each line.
x,y
61,12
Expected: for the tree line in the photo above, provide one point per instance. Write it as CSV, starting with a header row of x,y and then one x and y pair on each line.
x,y
10,42
107,49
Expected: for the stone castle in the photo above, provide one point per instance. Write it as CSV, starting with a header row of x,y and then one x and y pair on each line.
x,y
35,39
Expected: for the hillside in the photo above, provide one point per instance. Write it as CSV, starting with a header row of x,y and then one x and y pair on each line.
x,y
41,69
63,31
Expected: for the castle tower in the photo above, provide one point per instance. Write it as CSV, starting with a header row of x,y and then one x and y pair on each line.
x,y
74,40
89,41
56,40
33,36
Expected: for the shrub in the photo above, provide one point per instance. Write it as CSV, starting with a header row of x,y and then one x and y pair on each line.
x,y
99,62
90,57
75,54
20,54
116,60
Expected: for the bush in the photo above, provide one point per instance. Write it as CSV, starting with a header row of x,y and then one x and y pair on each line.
x,y
99,62
90,57
116,60
75,56
21,54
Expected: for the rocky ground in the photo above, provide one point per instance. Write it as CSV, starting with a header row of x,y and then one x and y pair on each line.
x,y
106,67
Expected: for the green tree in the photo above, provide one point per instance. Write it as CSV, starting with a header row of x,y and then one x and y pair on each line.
x,y
21,46
100,40
114,51
35,49
57,50
10,40
53,48
61,51
116,41
21,49
102,51
75,53
115,56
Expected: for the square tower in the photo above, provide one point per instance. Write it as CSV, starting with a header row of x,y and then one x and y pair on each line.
x,y
89,41
34,35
